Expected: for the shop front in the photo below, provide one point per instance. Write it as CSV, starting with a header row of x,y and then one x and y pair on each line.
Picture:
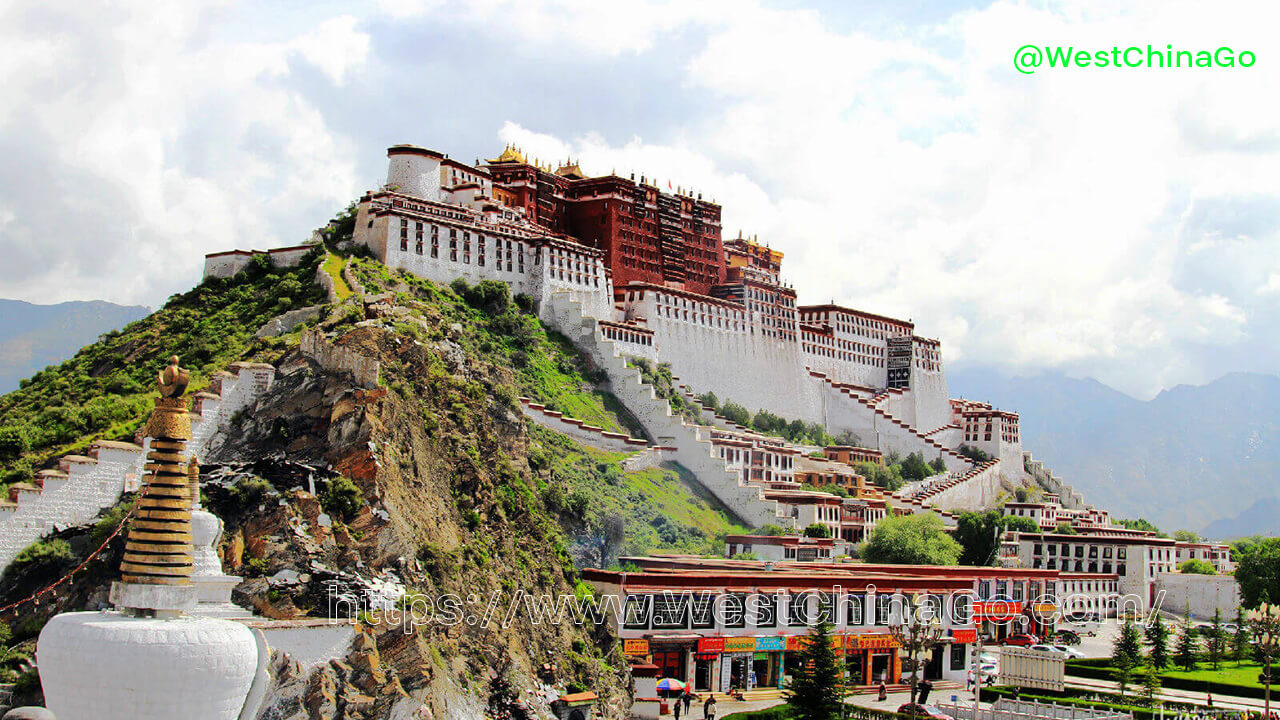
x,y
673,656
872,658
736,663
766,664
705,662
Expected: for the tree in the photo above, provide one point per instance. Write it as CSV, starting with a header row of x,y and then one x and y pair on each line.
x,y
938,465
1216,643
979,537
1020,524
1150,683
915,468
1258,571
912,540
979,534
817,530
735,413
816,691
1141,524
1185,655
1064,528
1187,536
1196,566
1157,636
13,442
1126,652
1240,639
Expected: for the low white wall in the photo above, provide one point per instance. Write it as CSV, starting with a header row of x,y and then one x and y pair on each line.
x,y
1198,595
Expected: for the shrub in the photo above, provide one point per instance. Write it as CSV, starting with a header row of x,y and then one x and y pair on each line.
x,y
43,552
342,498
249,491
1196,566
817,530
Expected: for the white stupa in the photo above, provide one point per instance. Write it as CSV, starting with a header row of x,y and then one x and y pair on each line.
x,y
148,658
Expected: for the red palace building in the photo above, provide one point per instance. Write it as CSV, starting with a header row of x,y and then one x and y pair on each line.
x,y
664,238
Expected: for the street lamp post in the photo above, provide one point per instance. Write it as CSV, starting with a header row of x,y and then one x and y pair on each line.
x,y
916,635
1265,624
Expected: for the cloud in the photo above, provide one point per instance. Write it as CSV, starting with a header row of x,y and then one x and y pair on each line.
x,y
149,139
336,46
1111,222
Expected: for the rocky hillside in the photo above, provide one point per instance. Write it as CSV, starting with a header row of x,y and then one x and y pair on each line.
x,y
429,485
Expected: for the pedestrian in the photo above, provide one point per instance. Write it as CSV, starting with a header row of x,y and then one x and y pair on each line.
x,y
676,707
687,699
1210,702
884,692
709,708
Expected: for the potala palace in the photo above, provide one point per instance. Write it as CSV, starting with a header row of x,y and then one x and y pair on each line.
x,y
635,278
628,271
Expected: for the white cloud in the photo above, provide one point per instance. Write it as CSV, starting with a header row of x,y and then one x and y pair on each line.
x,y
191,132
1025,219
335,46
1105,221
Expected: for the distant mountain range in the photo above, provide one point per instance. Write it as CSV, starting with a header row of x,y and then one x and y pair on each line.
x,y
34,336
1203,458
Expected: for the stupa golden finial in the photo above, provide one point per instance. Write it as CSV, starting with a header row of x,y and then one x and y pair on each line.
x,y
159,550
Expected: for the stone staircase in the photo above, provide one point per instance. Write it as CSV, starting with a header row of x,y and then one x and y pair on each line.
x,y
900,436
973,489
687,443
1068,496
83,485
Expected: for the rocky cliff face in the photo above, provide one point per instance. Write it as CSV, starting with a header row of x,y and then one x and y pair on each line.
x,y
450,508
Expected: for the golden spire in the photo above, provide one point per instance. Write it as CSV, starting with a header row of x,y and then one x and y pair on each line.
x,y
159,548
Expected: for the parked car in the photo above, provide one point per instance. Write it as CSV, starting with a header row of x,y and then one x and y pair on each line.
x,y
990,673
1067,637
925,711
987,659
1021,640
1070,652
1040,647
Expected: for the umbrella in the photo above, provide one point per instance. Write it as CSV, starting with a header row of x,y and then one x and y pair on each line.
x,y
670,685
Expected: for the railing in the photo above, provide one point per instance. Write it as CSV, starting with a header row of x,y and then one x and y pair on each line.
x,y
1004,709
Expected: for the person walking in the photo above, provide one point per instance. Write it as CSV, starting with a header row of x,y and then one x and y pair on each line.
x,y
884,692
709,708
676,707
687,699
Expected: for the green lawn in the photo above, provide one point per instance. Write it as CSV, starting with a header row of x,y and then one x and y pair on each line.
x,y
1246,674
333,267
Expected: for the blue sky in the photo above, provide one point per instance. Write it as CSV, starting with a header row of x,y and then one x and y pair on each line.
x,y
1119,224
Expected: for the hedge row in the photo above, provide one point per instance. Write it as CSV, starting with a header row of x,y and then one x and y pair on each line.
x,y
1139,712
1099,670
785,712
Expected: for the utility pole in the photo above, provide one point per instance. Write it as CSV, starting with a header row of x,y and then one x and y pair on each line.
x,y
1265,623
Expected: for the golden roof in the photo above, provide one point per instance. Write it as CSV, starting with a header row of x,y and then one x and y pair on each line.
x,y
511,154
571,171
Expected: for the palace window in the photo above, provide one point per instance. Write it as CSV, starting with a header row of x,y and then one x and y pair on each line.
x,y
734,610
670,610
854,613
764,610
636,613
703,614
